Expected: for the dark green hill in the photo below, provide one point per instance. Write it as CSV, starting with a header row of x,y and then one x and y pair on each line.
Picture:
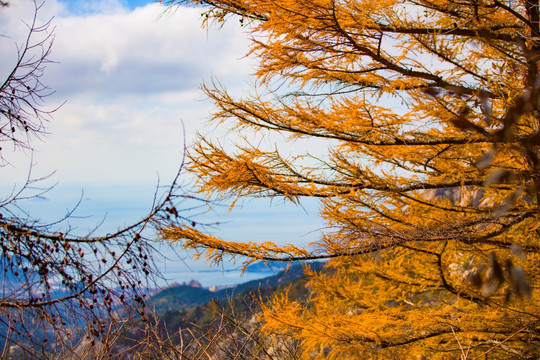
x,y
281,278
181,297
194,315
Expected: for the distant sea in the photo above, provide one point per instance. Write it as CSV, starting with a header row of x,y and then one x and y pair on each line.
x,y
217,278
109,207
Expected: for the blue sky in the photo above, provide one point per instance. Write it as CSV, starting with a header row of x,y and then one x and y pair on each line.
x,y
128,74
86,7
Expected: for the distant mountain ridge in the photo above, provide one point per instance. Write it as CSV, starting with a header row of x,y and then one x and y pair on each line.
x,y
184,296
273,266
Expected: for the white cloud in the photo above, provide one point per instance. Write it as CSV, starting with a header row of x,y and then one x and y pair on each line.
x,y
129,77
143,51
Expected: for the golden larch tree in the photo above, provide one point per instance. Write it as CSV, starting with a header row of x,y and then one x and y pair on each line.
x,y
430,187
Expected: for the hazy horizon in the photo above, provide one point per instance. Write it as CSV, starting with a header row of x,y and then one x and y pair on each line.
x,y
106,208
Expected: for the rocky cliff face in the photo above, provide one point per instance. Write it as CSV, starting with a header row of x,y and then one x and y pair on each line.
x,y
462,196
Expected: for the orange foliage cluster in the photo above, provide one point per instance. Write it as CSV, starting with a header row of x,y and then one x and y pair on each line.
x,y
431,184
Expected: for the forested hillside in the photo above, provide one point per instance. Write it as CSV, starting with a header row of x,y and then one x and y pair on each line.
x,y
189,321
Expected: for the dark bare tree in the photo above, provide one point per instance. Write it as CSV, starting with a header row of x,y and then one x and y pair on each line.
x,y
58,289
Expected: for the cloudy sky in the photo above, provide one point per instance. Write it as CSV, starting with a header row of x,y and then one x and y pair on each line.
x,y
128,74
